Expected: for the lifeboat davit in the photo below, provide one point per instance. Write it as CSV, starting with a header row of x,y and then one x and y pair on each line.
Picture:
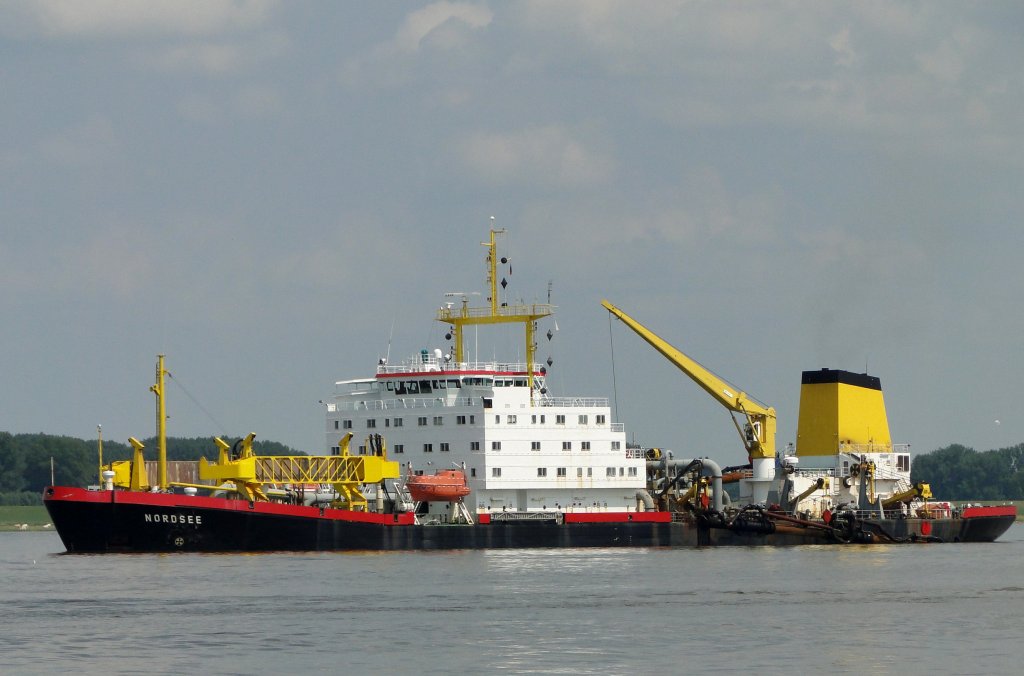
x,y
445,485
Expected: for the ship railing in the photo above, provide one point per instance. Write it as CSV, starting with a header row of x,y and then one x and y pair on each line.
x,y
526,516
407,403
860,449
432,364
574,402
506,310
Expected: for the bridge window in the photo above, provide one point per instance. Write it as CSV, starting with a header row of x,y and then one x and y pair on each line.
x,y
520,382
424,387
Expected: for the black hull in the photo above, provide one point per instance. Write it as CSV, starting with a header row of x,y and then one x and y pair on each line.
x,y
93,522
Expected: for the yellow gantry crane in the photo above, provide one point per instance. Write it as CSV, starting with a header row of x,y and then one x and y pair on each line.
x,y
758,429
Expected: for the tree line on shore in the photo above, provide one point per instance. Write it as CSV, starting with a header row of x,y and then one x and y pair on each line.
x,y
25,460
955,472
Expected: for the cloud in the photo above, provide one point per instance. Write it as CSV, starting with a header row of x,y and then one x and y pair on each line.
x,y
127,18
422,23
441,26
85,144
540,156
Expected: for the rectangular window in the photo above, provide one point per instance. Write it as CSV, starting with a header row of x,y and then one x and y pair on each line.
x,y
616,445
421,421
399,448
590,471
387,422
533,419
346,424
472,420
362,450
632,471
472,471
566,445
610,471
561,471
444,447
371,422
620,471
585,445
583,420
599,419
460,420
398,422
336,424
497,420
542,471
438,420
534,445
495,471
903,463
559,419
511,420
495,445
579,472
428,448
474,445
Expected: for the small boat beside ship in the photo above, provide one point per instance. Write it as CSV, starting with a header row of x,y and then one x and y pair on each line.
x,y
526,468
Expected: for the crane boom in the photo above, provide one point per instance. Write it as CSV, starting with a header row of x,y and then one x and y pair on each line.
x,y
759,435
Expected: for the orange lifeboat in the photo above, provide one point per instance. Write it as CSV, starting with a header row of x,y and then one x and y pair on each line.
x,y
445,485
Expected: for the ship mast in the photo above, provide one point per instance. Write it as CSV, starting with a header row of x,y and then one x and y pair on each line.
x,y
161,423
497,313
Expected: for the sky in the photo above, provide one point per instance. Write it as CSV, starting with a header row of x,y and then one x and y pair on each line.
x,y
277,194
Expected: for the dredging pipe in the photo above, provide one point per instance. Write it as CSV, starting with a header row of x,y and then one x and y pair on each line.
x,y
708,468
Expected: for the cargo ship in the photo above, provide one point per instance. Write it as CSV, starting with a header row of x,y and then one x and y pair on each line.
x,y
465,453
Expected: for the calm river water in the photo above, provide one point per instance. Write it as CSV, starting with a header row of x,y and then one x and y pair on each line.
x,y
912,609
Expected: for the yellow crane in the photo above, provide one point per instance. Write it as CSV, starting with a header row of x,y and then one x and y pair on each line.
x,y
758,429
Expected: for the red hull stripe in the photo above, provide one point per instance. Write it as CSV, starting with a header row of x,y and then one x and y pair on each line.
x,y
68,494
998,510
617,517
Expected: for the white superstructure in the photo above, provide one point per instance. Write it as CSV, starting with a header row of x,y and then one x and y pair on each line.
x,y
522,449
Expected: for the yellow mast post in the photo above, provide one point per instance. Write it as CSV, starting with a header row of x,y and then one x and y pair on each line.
x,y
498,313
161,423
